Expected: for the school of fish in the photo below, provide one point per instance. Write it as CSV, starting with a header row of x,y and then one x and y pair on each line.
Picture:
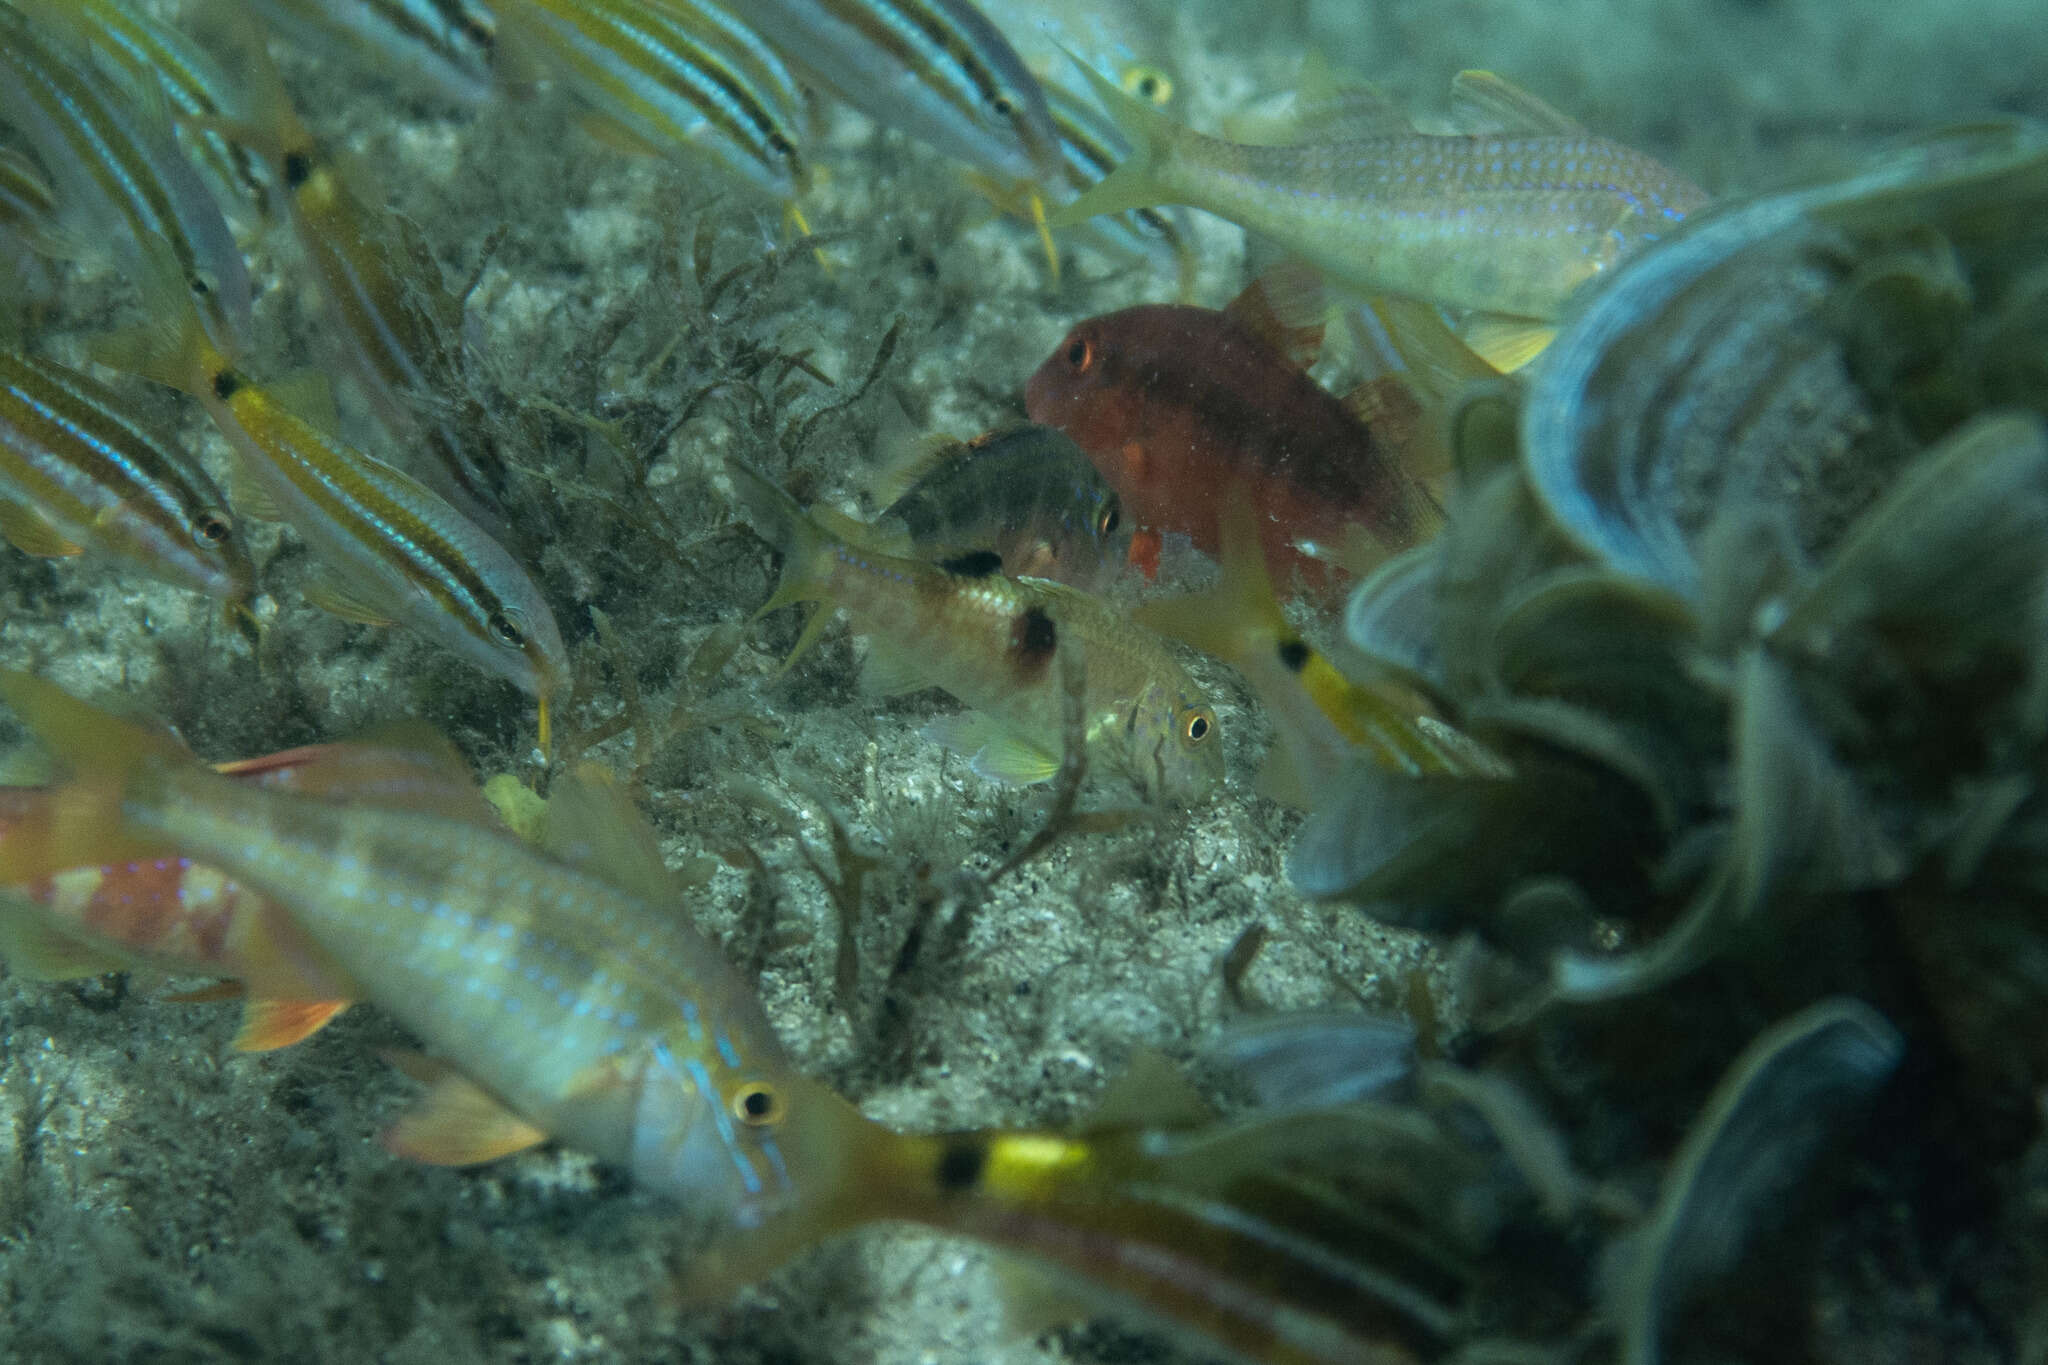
x,y
555,982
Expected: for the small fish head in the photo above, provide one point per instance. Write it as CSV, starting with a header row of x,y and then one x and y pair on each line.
x,y
1174,746
1074,391
738,1145
526,645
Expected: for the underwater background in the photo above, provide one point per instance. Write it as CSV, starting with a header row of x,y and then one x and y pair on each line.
x,y
1810,1131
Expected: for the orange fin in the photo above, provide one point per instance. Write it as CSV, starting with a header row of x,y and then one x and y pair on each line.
x,y
268,1024
457,1122
1284,308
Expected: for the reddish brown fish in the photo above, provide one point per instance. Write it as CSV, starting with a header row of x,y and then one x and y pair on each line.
x,y
1184,408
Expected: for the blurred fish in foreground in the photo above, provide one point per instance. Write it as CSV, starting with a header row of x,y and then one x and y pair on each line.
x,y
1025,494
443,47
994,643
178,916
564,996
81,469
1508,223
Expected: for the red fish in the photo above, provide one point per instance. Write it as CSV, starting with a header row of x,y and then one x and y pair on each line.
x,y
1183,408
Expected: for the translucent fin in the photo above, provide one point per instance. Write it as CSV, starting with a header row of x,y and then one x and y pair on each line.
x,y
309,396
890,671
1150,1092
270,1024
247,491
1329,107
30,532
457,1122
992,750
591,824
1482,102
331,594
907,457
1285,308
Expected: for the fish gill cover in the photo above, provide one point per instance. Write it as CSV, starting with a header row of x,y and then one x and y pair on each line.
x,y
1690,1012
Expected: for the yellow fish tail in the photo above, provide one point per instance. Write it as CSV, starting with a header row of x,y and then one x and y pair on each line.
x,y
805,546
172,347
1136,183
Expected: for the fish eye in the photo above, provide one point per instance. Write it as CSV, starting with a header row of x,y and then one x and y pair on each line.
x,y
757,1104
1152,86
1081,354
199,285
213,527
506,630
1197,724
1111,519
1002,104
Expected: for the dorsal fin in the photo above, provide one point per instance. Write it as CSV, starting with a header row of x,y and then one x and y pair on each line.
x,y
407,765
1330,108
593,825
1284,308
1482,102
906,454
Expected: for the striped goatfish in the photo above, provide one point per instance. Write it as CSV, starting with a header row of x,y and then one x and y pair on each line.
x,y
114,163
936,69
1508,223
80,469
564,996
391,550
664,78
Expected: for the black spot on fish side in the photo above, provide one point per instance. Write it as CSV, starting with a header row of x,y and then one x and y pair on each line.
x,y
960,1166
297,168
974,564
1293,655
1033,640
226,385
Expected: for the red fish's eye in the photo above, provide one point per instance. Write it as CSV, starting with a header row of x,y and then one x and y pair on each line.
x,y
1081,354
1111,519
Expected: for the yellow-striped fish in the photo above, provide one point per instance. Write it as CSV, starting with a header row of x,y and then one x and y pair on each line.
x,y
155,56
678,78
401,326
80,470
1509,223
564,999
118,170
938,70
390,548
994,643
439,46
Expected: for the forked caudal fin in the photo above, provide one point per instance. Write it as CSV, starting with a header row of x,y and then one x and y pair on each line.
x,y
1135,183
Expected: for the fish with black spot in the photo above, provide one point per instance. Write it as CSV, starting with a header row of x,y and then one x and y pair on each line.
x,y
993,641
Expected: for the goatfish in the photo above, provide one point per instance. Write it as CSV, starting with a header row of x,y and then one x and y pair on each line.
x,y
391,550
155,56
937,70
184,918
1184,409
1024,493
400,326
564,998
441,47
81,469
994,643
686,80
116,164
1508,223
1325,719
561,992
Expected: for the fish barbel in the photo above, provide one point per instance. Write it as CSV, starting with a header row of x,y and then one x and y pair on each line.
x,y
993,642
1510,223
562,999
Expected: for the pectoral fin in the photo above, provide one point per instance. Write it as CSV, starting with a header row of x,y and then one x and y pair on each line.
x,y
35,947
333,594
457,1122
30,532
